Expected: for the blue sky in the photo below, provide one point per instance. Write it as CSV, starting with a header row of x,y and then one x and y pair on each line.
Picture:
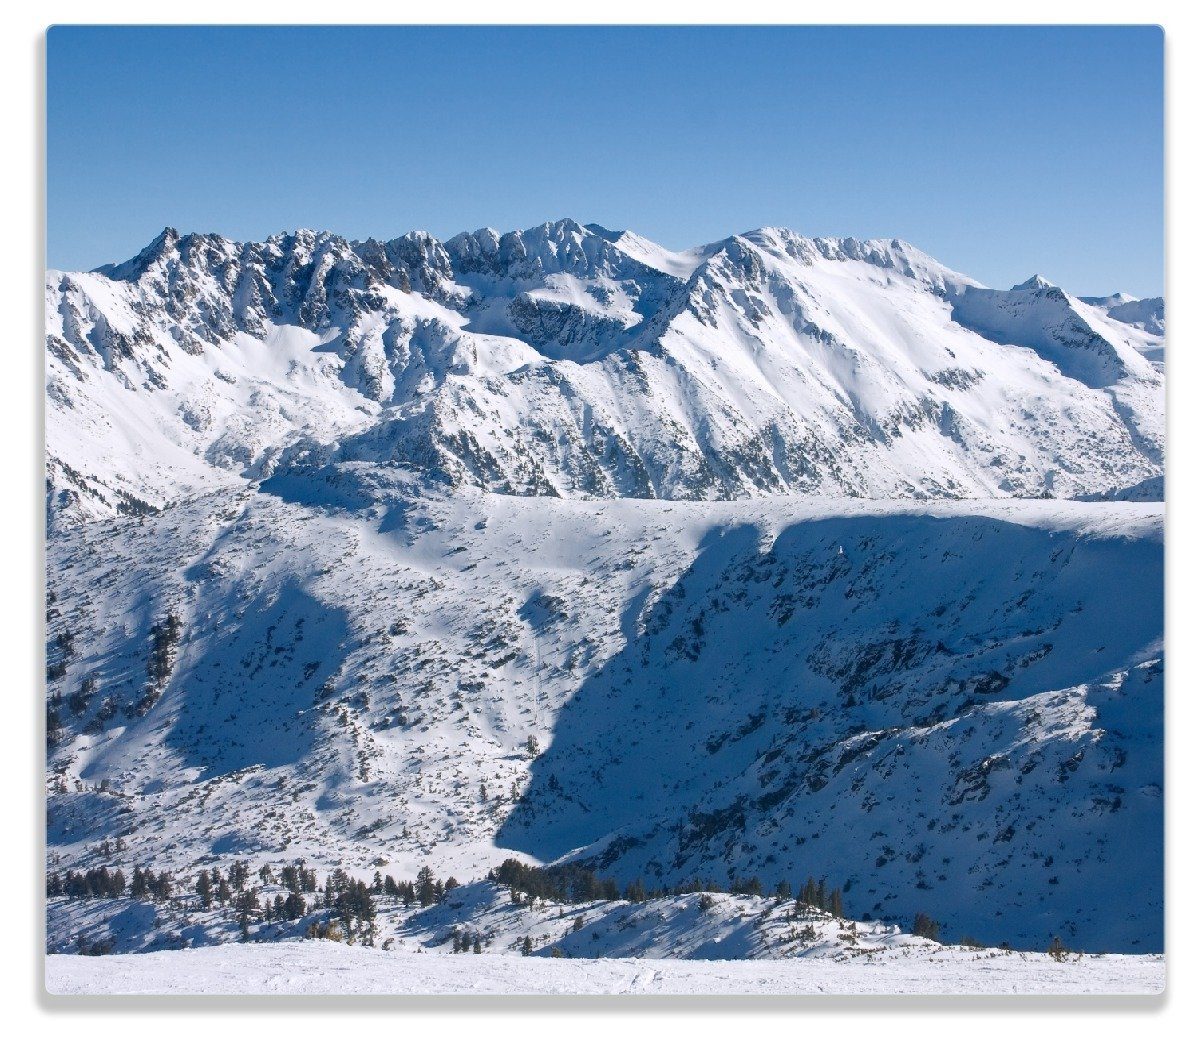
x,y
1002,152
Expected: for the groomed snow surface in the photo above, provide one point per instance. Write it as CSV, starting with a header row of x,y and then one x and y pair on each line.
x,y
320,967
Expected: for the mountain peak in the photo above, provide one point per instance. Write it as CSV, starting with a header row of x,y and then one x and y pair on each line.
x,y
130,270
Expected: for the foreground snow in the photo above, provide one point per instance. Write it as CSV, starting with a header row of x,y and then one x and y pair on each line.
x,y
322,967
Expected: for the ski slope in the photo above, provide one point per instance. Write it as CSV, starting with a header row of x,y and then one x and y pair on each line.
x,y
331,968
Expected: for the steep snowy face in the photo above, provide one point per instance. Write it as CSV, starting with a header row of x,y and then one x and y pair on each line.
x,y
565,289
578,362
1083,344
1148,314
1040,316
905,693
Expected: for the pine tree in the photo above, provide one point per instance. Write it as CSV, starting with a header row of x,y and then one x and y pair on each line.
x,y
204,889
926,927
294,907
808,894
835,903
160,888
426,889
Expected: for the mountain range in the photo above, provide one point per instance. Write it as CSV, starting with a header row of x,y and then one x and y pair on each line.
x,y
776,557
576,362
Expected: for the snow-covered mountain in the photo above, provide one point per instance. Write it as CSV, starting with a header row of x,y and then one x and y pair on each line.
x,y
952,707
1148,314
577,362
772,558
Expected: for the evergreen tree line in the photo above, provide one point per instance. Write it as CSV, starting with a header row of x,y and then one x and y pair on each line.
x,y
572,883
425,891
353,901
297,877
816,895
348,904
926,927
148,885
59,654
339,891
97,883
561,883
468,942
350,899
164,637
101,883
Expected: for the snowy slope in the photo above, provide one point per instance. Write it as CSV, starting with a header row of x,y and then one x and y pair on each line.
x,y
574,361
951,707
1146,314
688,927
330,968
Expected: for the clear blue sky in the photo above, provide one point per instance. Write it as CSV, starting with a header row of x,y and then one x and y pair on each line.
x,y
1002,152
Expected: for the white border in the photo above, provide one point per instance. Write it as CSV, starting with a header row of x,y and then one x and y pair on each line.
x,y
22,259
